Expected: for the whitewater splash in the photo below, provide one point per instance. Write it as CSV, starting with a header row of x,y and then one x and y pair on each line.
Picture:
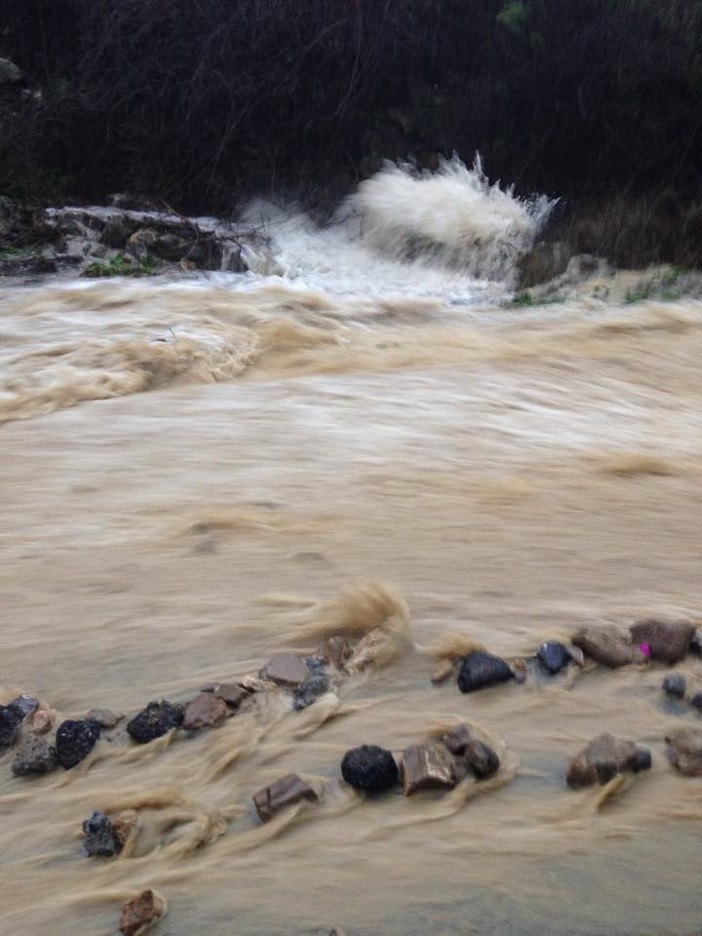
x,y
448,233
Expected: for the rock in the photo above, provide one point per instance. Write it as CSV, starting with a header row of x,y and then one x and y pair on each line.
x,y
169,247
140,242
98,837
553,656
669,640
104,717
285,669
366,652
253,684
696,701
287,791
35,757
9,72
444,670
605,646
75,740
427,767
369,768
123,826
42,721
675,685
232,694
310,690
604,758
337,650
480,670
141,912
116,233
154,721
205,711
12,716
684,750
472,755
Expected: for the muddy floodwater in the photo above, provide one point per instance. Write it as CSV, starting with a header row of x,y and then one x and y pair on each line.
x,y
190,474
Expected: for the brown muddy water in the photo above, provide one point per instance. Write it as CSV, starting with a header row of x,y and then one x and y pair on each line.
x,y
190,475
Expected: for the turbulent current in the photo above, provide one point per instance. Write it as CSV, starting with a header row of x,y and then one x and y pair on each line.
x,y
197,472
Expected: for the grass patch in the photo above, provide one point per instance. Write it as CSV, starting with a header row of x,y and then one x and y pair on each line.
x,y
121,265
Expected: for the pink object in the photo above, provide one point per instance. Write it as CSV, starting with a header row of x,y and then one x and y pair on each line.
x,y
645,648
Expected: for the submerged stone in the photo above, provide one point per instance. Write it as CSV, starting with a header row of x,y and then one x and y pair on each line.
x,y
472,755
205,711
553,656
370,768
310,690
141,912
480,670
285,792
99,839
154,721
684,750
75,740
675,685
604,758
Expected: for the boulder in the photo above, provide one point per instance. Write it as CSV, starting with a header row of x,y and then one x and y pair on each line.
x,y
310,690
604,758
99,839
12,716
471,754
675,685
141,912
205,711
684,750
427,767
34,757
553,656
75,740
286,670
154,721
369,768
605,645
285,792
669,640
480,670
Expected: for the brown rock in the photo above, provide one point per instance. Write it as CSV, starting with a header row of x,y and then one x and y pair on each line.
x,y
366,652
285,669
42,721
123,826
669,639
254,684
141,912
605,645
684,750
205,711
287,791
427,767
232,694
104,717
444,670
605,757
471,754
336,651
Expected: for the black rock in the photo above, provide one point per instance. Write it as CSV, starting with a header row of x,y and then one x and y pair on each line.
x,y
75,740
12,716
370,768
553,656
310,690
480,669
99,838
675,685
155,720
696,701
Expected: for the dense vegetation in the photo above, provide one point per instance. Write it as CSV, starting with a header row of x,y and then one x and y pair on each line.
x,y
198,102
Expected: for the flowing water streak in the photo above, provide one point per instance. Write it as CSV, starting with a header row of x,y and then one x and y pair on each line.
x,y
196,475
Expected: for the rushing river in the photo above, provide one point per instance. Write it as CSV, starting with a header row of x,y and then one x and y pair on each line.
x,y
193,470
